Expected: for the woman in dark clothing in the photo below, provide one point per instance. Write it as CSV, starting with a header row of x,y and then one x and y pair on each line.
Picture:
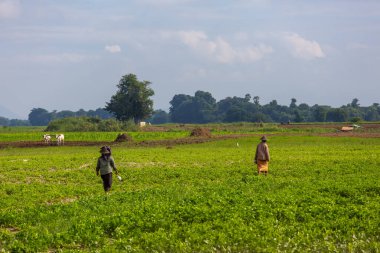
x,y
262,157
105,166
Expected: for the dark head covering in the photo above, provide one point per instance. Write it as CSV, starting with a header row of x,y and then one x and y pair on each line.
x,y
105,150
263,138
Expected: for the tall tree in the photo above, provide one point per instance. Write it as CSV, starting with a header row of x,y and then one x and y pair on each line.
x,y
132,100
198,109
4,121
256,100
320,113
39,117
355,103
177,110
159,117
293,103
206,106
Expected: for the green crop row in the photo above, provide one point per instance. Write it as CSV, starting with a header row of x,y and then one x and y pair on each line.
x,y
321,195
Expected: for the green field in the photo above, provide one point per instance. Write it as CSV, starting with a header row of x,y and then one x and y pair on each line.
x,y
322,195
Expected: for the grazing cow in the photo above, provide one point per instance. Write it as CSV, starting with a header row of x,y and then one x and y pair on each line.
x,y
60,139
47,138
142,124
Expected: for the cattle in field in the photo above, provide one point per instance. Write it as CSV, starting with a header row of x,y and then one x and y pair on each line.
x,y
142,124
47,138
60,139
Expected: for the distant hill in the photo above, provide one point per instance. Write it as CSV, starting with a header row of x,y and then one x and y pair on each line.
x,y
6,113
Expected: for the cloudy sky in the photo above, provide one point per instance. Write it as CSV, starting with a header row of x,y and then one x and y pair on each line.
x,y
70,54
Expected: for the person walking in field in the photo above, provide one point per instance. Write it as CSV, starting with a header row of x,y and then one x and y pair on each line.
x,y
262,156
105,166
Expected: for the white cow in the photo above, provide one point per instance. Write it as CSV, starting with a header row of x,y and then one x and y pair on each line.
x,y
60,139
142,124
47,138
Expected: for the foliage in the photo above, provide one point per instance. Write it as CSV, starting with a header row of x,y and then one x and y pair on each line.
x,y
84,124
318,197
159,117
132,100
41,117
188,109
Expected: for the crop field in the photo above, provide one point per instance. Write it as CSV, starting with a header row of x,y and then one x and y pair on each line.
x,y
322,194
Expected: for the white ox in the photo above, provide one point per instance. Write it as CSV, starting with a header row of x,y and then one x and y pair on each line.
x,y
142,123
47,138
60,139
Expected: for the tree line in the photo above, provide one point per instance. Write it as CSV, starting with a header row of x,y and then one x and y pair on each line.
x,y
203,108
132,102
42,117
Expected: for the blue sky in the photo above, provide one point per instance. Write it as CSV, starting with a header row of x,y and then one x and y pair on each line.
x,y
69,55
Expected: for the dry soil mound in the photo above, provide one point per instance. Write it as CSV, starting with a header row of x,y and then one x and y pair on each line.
x,y
200,132
123,138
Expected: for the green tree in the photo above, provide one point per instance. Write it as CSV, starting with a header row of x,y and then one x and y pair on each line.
x,y
355,103
256,100
19,122
39,117
293,103
159,117
132,100
337,115
199,108
297,116
236,109
177,110
206,106
4,121
320,113
65,114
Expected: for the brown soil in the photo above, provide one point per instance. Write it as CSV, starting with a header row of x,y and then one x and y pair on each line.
x,y
123,138
352,134
200,132
148,143
337,126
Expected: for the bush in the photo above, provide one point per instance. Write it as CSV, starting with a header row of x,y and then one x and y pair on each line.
x,y
356,119
85,124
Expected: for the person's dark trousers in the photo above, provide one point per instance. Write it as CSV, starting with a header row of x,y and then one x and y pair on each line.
x,y
107,181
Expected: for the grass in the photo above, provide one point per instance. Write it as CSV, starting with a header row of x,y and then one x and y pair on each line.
x,y
322,195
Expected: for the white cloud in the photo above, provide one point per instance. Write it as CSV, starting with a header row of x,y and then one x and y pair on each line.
x,y
9,8
302,48
220,50
113,48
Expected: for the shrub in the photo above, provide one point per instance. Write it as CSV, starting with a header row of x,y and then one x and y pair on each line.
x,y
356,119
84,124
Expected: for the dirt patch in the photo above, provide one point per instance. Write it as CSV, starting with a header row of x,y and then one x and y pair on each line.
x,y
146,143
337,126
200,132
123,138
352,134
62,201
13,230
